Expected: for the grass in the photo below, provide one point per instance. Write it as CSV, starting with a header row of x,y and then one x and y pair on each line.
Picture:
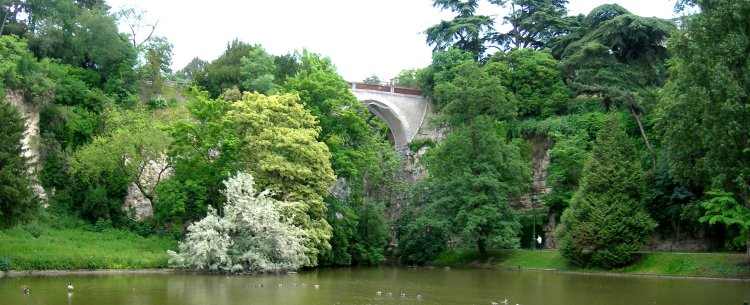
x,y
42,247
724,265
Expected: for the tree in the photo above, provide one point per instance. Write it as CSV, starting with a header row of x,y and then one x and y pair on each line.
x,y
467,31
441,70
363,161
708,91
534,23
226,71
475,90
280,147
607,221
193,70
204,153
86,38
534,78
474,173
618,57
158,62
255,234
130,151
722,208
372,80
17,200
137,23
258,71
408,78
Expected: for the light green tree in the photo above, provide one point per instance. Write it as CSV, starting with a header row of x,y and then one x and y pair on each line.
x,y
280,147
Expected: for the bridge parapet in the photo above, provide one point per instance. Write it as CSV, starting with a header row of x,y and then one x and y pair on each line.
x,y
385,88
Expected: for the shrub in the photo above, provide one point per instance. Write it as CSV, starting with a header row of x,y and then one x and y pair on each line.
x,y
5,263
157,102
254,235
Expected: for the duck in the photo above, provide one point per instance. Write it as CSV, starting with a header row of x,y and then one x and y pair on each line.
x,y
26,290
419,296
505,301
70,287
390,294
379,293
403,294
316,286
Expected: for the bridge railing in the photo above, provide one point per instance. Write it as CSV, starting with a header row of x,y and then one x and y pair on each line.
x,y
385,88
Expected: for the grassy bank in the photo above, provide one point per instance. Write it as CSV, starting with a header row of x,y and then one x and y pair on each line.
x,y
725,265
40,247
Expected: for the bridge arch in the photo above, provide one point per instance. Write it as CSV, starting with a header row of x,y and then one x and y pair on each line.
x,y
392,118
403,109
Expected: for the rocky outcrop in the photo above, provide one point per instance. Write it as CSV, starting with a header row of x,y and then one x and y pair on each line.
x,y
540,159
30,140
138,201
340,190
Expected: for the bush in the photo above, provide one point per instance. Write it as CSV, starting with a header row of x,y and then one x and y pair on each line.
x,y
5,263
254,235
157,102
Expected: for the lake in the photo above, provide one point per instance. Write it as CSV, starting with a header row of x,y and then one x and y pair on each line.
x,y
361,285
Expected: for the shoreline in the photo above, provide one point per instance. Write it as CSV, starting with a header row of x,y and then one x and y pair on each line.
x,y
50,273
84,272
646,275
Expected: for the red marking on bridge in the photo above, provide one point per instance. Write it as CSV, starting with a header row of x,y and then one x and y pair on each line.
x,y
386,88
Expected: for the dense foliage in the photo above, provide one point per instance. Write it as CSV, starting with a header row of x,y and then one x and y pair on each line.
x,y
708,91
634,129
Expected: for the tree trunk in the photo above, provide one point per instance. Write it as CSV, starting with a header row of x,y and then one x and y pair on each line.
x,y
645,138
482,247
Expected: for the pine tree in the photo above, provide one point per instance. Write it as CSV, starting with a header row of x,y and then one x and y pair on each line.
x,y
607,222
16,197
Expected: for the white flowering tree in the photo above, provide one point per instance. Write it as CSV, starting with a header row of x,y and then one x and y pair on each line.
x,y
254,235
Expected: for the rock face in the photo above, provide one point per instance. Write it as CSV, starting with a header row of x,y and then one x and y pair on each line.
x,y
540,160
340,190
30,140
138,200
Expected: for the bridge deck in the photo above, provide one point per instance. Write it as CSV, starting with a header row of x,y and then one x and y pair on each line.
x,y
385,88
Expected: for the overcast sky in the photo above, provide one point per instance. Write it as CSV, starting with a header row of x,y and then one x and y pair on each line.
x,y
362,37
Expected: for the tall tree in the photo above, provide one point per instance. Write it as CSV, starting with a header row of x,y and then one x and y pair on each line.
x,y
17,200
534,23
158,62
618,57
365,164
467,31
474,174
607,221
709,91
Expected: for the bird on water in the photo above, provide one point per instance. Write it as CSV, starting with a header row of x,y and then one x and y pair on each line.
x,y
70,287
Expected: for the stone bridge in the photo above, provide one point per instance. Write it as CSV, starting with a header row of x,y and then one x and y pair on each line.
x,y
405,110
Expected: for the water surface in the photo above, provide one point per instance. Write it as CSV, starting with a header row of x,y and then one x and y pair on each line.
x,y
360,286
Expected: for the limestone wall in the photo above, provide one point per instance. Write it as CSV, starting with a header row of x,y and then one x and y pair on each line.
x,y
30,141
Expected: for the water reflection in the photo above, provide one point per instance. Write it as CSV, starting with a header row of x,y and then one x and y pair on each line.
x,y
372,286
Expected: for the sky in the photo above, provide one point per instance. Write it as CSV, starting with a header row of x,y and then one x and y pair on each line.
x,y
362,37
